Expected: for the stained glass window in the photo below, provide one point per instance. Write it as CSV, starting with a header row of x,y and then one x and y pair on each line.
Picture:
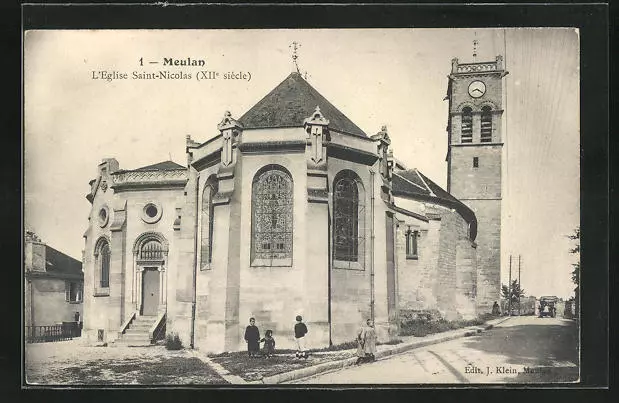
x,y
272,215
104,258
207,224
347,210
467,125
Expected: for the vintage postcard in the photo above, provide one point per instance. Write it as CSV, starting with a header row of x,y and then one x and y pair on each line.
x,y
301,206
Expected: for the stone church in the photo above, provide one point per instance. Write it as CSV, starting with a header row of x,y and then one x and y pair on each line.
x,y
290,210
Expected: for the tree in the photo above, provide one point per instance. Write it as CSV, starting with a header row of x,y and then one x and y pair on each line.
x,y
576,250
516,292
576,271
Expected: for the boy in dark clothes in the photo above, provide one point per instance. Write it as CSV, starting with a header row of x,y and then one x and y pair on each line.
x,y
300,330
269,344
252,337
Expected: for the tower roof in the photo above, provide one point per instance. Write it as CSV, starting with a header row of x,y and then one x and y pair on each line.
x,y
161,166
290,103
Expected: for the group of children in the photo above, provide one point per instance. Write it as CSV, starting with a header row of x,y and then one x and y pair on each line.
x,y
252,337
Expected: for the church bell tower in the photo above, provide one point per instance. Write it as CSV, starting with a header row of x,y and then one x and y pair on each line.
x,y
475,148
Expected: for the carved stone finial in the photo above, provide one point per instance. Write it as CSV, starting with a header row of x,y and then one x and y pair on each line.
x,y
454,65
228,122
317,118
499,62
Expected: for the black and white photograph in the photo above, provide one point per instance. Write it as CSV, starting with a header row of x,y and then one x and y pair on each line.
x,y
301,206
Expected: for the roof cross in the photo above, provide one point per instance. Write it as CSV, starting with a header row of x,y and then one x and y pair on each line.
x,y
475,42
295,46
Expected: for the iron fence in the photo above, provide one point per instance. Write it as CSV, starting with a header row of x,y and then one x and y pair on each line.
x,y
42,334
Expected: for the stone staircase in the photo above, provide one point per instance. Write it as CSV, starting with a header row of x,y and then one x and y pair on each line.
x,y
137,332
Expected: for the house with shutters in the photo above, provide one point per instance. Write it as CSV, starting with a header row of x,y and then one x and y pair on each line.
x,y
292,209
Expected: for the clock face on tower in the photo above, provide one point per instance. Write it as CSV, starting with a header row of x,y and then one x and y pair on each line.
x,y
477,89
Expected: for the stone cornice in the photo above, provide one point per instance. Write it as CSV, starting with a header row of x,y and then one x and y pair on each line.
x,y
351,154
476,112
284,146
207,161
149,176
149,179
54,275
475,144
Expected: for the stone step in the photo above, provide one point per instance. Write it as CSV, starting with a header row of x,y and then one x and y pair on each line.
x,y
137,332
131,343
143,321
140,326
135,337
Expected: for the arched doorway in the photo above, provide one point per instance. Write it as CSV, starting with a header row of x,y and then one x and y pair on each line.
x,y
151,252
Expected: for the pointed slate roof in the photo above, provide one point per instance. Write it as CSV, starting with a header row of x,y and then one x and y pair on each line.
x,y
161,166
290,103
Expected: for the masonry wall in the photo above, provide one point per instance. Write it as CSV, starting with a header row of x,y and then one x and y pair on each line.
x,y
415,274
108,310
98,313
275,295
182,266
488,214
350,286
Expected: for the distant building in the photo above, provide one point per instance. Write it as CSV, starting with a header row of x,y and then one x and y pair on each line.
x,y
54,284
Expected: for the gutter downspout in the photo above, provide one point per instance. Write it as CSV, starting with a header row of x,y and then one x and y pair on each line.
x,y
372,245
195,263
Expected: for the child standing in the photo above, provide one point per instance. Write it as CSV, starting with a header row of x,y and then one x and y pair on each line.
x,y
252,337
269,344
300,330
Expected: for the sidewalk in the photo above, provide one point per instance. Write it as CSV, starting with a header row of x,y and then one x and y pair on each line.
x,y
383,351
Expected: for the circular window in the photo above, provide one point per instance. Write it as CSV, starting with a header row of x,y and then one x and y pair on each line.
x,y
151,213
103,216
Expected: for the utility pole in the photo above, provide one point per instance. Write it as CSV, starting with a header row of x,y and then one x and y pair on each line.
x,y
519,285
509,296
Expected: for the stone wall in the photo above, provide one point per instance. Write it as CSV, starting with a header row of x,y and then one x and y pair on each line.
x,y
488,214
48,305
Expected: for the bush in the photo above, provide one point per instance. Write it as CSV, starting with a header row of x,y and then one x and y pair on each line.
x,y
422,326
173,342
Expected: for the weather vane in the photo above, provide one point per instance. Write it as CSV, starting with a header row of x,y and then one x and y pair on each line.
x,y
295,46
475,42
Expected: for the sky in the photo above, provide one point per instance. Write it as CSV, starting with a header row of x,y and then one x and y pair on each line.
x,y
376,77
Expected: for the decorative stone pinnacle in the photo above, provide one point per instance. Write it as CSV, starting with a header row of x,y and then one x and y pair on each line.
x,y
317,118
228,122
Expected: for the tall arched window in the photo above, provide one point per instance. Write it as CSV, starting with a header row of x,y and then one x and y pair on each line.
x,y
348,209
207,222
486,124
272,217
103,262
467,125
